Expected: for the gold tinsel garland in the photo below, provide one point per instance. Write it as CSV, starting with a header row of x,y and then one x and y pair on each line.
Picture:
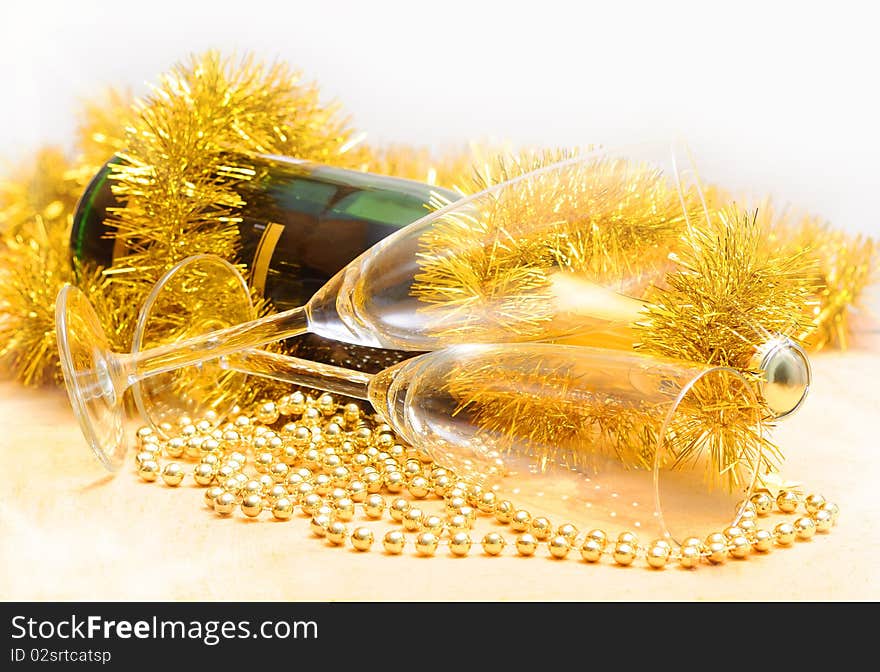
x,y
179,195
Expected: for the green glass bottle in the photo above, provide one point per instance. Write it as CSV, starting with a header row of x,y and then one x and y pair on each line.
x,y
301,223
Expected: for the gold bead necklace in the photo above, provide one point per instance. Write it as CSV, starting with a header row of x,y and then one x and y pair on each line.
x,y
328,462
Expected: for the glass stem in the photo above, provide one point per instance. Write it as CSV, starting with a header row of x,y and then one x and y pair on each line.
x,y
300,372
164,358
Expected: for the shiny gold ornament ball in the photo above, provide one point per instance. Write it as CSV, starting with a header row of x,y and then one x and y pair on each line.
x,y
784,533
398,508
394,541
148,470
319,524
203,474
224,504
833,509
521,520
252,505
336,533
172,474
374,506
740,547
689,556
460,544
419,487
211,494
493,543
762,502
599,537
526,544
426,543
591,550
624,553
344,509
541,528
412,520
823,520
716,552
628,538
362,539
282,509
433,524
559,546
787,501
504,511
657,556
813,503
804,528
762,540
568,531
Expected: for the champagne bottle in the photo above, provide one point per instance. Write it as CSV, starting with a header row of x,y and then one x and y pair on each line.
x,y
301,223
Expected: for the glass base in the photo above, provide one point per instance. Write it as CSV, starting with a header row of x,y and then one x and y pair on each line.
x,y
200,294
89,368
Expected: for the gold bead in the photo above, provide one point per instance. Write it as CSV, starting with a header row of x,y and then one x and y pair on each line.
x,y
833,509
813,503
521,520
327,404
282,509
784,533
468,512
395,481
599,537
224,504
344,509
762,540
568,531
716,551
318,525
374,482
278,471
787,501
433,524
732,532
323,484
504,511
486,502
591,550
148,470
441,485
398,508
526,544
172,474
459,523
175,447
559,546
362,538
394,541
460,543
823,520
804,527
747,526
351,413
657,556
412,520
203,474
357,491
336,533
689,556
419,487
628,538
541,528
624,553
454,504
311,503
762,502
252,505
143,432
716,538
740,547
144,456
426,543
276,492
493,544
267,413
374,506
211,494
696,542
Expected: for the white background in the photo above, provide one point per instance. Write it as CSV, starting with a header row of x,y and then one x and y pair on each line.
x,y
773,97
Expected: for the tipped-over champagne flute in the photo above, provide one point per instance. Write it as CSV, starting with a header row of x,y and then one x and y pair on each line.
x,y
586,435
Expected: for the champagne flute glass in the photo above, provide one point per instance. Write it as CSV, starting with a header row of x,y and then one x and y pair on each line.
x,y
381,299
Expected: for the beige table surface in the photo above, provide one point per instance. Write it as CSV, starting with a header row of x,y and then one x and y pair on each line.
x,y
68,531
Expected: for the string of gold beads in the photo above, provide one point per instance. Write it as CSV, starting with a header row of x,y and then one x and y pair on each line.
x,y
307,456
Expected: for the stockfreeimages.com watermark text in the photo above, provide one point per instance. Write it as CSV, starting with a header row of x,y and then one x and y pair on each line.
x,y
209,632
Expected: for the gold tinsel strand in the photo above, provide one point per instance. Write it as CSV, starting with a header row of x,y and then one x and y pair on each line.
x,y
604,220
